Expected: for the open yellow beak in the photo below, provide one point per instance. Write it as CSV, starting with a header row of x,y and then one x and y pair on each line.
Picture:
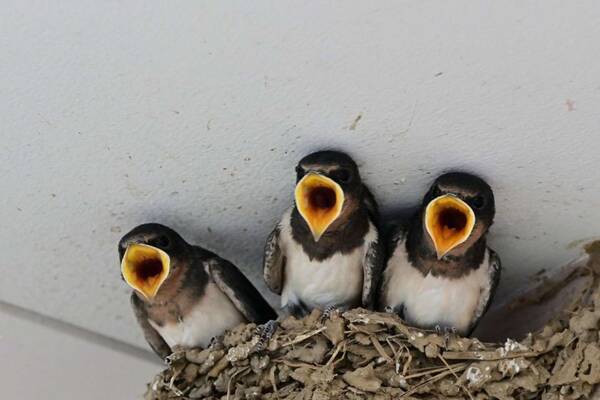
x,y
449,222
319,200
145,268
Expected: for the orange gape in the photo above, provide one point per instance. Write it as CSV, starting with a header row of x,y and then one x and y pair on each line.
x,y
145,268
449,222
319,200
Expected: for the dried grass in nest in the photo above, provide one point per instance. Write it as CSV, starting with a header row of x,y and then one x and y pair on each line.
x,y
362,354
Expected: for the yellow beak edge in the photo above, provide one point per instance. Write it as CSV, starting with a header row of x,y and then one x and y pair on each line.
x,y
145,268
449,222
319,200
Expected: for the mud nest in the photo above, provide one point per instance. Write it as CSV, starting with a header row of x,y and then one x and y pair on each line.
x,y
361,354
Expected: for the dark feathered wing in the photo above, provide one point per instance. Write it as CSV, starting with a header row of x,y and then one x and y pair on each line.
x,y
371,204
153,338
274,262
397,234
373,265
495,268
240,291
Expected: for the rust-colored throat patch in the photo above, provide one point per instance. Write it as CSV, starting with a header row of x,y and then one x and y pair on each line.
x,y
145,268
319,200
449,222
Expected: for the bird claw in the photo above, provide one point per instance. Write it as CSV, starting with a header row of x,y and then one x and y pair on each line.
x,y
176,354
449,332
265,333
446,332
215,343
328,312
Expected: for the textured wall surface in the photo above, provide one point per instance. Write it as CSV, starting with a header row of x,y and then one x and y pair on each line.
x,y
194,114
54,361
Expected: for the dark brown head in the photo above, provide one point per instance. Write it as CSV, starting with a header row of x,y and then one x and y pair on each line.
x,y
328,185
457,211
149,255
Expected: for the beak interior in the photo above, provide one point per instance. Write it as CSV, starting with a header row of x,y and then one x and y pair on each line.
x,y
145,268
449,222
319,200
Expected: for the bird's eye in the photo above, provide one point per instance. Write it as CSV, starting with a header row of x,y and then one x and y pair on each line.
x,y
163,242
342,175
478,202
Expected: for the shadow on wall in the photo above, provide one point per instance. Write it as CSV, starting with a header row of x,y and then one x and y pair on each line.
x,y
555,295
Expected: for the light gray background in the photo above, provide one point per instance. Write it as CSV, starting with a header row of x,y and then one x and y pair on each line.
x,y
194,114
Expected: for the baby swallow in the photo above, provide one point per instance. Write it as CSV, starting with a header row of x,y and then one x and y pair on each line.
x,y
440,272
184,295
325,252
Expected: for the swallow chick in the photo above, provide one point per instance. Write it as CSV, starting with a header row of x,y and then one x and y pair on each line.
x,y
325,252
440,273
184,295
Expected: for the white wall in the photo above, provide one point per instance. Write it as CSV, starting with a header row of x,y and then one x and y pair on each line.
x,y
194,114
45,359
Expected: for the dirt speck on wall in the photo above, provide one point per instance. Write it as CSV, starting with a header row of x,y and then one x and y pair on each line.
x,y
355,122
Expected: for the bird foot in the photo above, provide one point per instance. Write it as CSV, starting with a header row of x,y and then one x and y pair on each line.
x,y
177,353
216,343
328,312
265,332
447,332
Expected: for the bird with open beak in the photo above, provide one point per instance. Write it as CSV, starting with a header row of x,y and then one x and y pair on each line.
x,y
440,273
184,295
325,252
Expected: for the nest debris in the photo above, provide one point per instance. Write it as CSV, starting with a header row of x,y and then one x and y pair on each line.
x,y
361,354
